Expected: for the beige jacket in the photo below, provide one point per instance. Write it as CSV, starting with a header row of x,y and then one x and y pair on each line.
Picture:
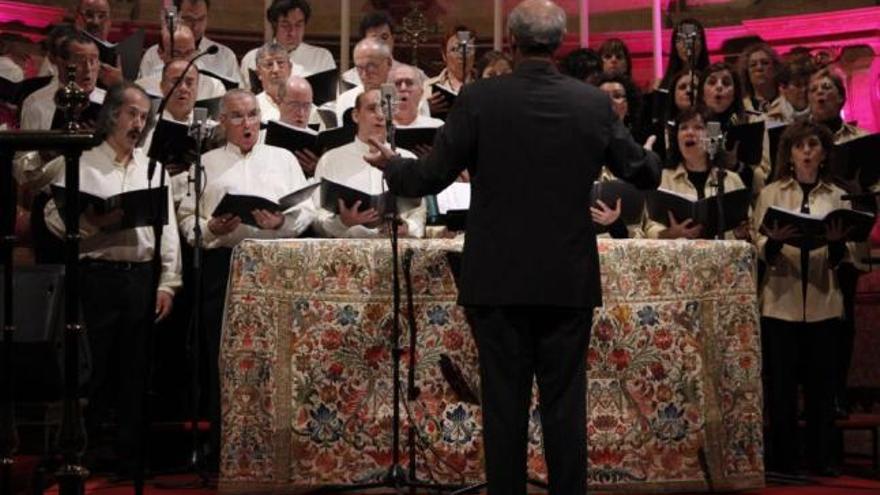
x,y
781,294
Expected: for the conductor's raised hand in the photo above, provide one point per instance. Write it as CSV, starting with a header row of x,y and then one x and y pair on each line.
x,y
268,220
379,154
351,216
224,224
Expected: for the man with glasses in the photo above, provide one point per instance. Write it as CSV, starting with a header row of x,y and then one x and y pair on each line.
x,y
273,69
372,59
288,19
194,15
243,166
380,26
298,111
93,17
184,48
408,83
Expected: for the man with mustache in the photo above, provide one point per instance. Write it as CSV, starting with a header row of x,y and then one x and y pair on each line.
x,y
345,165
117,272
243,166
194,15
93,16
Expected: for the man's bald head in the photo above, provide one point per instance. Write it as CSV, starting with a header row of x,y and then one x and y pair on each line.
x,y
537,27
372,59
296,102
184,44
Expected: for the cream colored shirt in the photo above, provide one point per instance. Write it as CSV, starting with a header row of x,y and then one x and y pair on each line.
x,y
223,63
101,175
676,180
781,292
305,60
268,108
265,171
346,165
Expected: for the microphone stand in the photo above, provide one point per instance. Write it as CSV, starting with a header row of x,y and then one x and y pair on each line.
x,y
720,173
395,476
692,61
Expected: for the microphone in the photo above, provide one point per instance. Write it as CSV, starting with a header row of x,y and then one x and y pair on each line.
x,y
165,98
464,37
389,95
714,140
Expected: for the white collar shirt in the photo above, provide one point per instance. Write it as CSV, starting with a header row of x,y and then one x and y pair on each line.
x,y
266,171
346,165
103,176
223,63
305,60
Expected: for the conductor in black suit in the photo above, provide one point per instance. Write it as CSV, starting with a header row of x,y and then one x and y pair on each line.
x,y
533,141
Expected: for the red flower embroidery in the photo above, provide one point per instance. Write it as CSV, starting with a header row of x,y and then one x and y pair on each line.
x,y
331,340
662,339
620,358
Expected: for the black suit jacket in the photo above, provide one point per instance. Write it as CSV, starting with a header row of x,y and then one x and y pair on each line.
x,y
533,141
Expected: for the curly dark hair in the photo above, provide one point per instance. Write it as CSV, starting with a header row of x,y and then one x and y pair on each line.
x,y
633,95
109,114
736,107
582,64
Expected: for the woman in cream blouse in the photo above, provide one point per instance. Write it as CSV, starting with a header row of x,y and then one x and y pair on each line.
x,y
801,302
692,176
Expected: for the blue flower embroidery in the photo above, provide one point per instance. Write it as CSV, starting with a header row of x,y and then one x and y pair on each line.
x,y
438,316
669,424
648,316
346,316
324,426
458,426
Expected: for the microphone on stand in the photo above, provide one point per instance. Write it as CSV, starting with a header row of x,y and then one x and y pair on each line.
x,y
211,50
687,34
389,99
714,140
170,23
464,37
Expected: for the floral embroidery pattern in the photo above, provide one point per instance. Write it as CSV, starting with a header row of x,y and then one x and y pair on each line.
x,y
673,363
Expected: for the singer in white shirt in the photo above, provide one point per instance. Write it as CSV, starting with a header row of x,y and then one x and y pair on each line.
x,y
184,48
179,109
298,111
273,70
346,165
194,15
119,299
288,19
245,167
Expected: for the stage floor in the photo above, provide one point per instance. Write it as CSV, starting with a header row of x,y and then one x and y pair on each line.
x,y
844,485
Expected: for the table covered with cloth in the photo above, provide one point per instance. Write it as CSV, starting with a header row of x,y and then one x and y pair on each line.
x,y
674,364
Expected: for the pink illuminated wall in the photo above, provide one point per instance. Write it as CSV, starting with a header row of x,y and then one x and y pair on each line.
x,y
832,31
37,16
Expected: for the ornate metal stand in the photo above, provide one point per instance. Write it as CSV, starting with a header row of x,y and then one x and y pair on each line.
x,y
69,142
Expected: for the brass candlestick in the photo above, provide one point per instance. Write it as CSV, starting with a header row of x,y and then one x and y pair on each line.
x,y
71,100
415,30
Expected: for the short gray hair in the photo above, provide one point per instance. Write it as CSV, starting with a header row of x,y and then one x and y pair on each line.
x,y
270,48
538,26
235,93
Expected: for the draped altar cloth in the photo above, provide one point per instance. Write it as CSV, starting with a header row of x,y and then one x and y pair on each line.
x,y
674,392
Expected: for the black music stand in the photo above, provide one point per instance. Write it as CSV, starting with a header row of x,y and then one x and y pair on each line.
x,y
71,436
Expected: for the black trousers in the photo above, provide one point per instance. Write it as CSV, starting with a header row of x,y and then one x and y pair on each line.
x,y
848,278
787,347
515,345
216,276
118,313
